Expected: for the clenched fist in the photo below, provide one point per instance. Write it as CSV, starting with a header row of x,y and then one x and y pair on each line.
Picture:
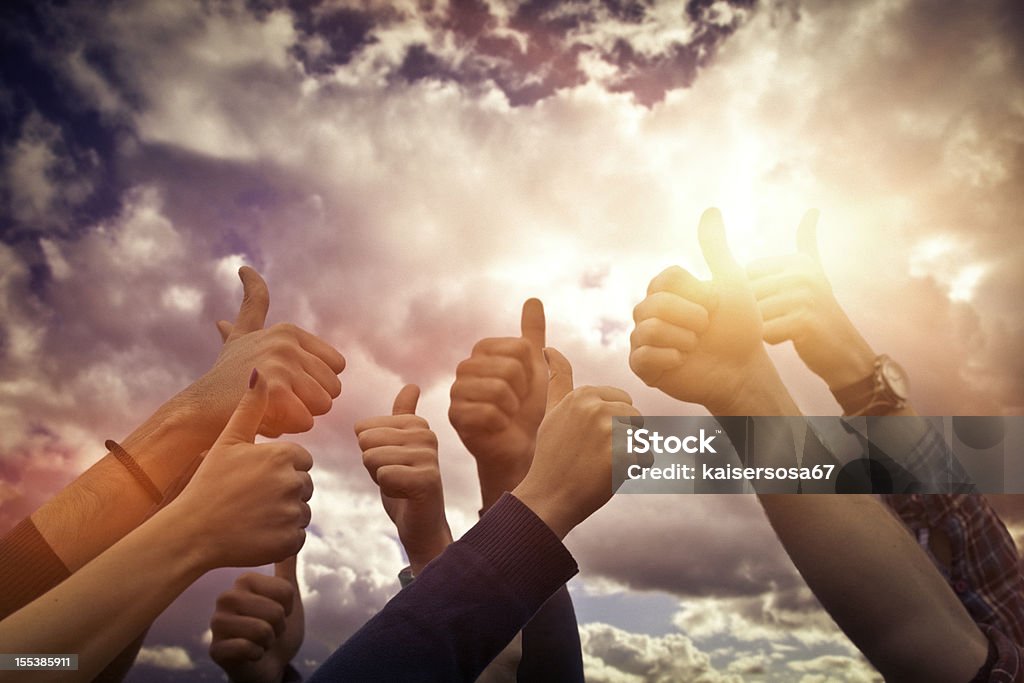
x,y
247,504
258,625
497,403
695,340
400,453
300,369
571,474
798,305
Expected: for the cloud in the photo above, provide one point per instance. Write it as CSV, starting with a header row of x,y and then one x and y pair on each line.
x,y
165,657
405,177
611,655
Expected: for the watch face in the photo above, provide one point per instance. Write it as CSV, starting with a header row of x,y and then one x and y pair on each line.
x,y
896,379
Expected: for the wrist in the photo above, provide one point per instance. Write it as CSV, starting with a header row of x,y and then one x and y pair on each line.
x,y
549,510
168,441
422,554
199,549
851,359
760,392
498,477
183,538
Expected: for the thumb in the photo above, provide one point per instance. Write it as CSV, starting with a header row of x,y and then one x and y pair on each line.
x,y
533,323
715,247
405,402
244,423
255,303
559,376
286,569
807,235
224,327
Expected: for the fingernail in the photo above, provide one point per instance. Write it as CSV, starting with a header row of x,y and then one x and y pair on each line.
x,y
254,377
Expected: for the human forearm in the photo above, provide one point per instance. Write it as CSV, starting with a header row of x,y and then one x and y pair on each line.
x,y
106,502
127,587
551,643
761,392
464,608
878,585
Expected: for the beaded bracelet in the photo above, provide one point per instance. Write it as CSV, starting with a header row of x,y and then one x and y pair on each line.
x,y
134,469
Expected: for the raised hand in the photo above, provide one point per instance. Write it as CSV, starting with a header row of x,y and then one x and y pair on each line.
x,y
698,341
258,625
498,402
247,504
400,453
571,474
797,304
301,369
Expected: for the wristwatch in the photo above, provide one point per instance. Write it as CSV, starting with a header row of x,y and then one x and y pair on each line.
x,y
886,389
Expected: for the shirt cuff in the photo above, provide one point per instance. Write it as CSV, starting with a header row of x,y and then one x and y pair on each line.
x,y
522,547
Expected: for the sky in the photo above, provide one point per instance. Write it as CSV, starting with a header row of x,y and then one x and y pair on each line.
x,y
405,174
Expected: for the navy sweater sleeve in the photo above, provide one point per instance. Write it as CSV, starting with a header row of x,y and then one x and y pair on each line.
x,y
464,607
551,643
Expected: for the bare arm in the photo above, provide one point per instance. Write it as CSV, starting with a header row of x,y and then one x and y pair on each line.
x,y
106,502
245,506
863,566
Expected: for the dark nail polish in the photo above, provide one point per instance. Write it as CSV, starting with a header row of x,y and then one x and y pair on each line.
x,y
254,377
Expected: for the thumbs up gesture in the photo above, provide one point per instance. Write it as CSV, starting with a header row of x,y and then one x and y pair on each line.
x,y
258,625
697,340
497,402
797,304
400,453
301,370
571,473
247,505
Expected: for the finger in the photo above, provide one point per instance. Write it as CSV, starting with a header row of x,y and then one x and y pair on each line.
x,y
232,651
768,285
474,416
396,481
511,370
614,395
513,347
559,376
299,457
655,332
395,423
532,322
287,413
416,435
715,247
779,305
681,282
255,630
649,363
779,330
307,486
674,310
313,396
405,402
321,372
265,597
252,314
487,390
244,423
287,569
321,349
224,327
807,235
418,459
